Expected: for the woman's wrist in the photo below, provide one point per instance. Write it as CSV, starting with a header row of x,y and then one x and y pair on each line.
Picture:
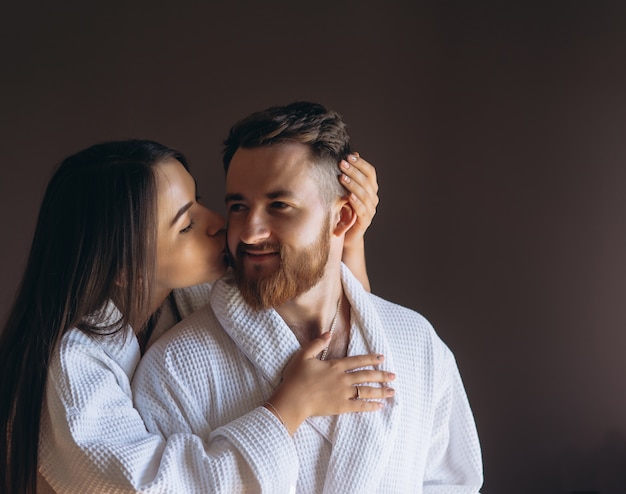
x,y
276,413
287,410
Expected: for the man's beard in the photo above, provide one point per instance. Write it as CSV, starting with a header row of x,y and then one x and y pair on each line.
x,y
297,273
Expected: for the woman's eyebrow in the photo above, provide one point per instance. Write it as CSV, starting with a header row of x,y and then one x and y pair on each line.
x,y
180,212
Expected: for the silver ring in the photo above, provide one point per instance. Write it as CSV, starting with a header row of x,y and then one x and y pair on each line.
x,y
358,393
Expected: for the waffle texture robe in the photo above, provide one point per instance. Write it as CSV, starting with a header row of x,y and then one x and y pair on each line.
x,y
225,360
93,440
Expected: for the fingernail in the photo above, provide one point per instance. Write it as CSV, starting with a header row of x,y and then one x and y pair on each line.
x,y
344,164
390,391
352,158
391,375
345,178
380,357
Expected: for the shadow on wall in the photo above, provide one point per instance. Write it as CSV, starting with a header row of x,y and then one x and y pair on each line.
x,y
600,471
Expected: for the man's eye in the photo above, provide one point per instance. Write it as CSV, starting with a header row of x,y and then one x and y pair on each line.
x,y
279,205
236,207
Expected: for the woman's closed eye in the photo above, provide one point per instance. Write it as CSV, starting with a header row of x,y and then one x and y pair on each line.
x,y
188,227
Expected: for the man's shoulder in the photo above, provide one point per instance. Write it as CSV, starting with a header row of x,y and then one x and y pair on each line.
x,y
188,353
394,311
385,309
190,299
408,329
193,331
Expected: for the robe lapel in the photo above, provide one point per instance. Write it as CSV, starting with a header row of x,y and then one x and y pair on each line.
x,y
363,442
263,337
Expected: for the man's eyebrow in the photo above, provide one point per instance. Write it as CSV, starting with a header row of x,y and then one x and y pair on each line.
x,y
280,193
233,197
180,212
270,195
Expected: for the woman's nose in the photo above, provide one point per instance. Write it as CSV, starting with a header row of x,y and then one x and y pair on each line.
x,y
215,222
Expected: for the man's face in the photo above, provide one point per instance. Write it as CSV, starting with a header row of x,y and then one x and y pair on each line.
x,y
278,225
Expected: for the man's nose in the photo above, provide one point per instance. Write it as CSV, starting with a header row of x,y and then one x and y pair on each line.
x,y
255,229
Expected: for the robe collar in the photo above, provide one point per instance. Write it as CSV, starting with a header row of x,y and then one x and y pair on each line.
x,y
362,442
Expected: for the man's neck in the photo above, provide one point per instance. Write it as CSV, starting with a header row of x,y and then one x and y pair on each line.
x,y
312,313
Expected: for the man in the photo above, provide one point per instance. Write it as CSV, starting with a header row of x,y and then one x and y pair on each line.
x,y
287,217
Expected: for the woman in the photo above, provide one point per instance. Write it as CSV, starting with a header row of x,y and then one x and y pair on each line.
x,y
119,229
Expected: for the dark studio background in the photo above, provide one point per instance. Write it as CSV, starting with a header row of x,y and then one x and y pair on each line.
x,y
498,133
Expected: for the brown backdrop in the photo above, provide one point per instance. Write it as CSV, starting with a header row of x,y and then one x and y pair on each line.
x,y
498,135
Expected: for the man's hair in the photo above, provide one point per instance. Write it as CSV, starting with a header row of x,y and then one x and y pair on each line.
x,y
322,130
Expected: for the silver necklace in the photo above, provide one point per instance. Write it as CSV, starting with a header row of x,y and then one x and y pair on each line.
x,y
332,329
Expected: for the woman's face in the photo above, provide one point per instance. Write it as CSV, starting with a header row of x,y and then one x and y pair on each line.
x,y
190,237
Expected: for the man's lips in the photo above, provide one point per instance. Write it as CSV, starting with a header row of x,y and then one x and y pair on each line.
x,y
259,255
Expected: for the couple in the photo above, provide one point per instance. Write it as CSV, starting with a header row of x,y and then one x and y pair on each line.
x,y
219,417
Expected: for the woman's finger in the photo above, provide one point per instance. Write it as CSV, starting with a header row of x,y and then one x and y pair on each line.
x,y
357,170
371,376
372,393
358,361
314,347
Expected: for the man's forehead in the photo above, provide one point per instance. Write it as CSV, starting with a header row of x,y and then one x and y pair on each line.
x,y
285,167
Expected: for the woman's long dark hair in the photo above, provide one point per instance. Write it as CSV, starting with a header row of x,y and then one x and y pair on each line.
x,y
95,241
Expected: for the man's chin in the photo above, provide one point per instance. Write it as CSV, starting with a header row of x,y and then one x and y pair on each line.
x,y
255,272
254,298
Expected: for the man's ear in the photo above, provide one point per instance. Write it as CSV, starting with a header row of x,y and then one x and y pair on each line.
x,y
346,217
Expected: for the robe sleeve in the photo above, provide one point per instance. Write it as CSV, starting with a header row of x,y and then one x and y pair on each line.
x,y
253,453
94,440
454,464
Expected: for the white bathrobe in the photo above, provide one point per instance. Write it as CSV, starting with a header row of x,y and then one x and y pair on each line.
x,y
225,360
94,441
